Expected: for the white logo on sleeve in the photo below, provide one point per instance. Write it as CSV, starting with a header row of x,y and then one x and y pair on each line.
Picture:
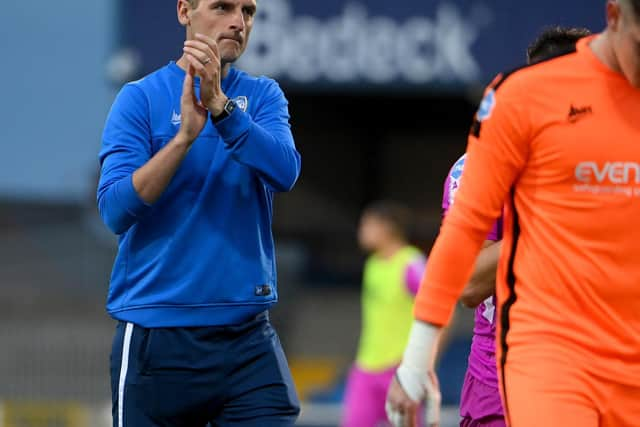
x,y
454,178
487,105
175,118
489,312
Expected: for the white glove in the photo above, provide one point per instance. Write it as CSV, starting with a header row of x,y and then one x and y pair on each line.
x,y
416,375
433,402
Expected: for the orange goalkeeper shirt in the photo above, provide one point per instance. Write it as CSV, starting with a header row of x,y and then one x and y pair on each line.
x,y
558,143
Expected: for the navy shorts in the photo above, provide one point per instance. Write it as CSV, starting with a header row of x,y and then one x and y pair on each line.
x,y
193,377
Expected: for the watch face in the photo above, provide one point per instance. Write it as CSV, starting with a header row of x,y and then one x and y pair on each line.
x,y
230,106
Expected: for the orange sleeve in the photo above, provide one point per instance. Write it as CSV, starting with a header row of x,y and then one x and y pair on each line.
x,y
497,152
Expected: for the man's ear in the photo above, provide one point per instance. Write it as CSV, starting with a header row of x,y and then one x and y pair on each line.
x,y
184,12
614,14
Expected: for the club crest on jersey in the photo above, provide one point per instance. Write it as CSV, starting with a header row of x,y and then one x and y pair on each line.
x,y
242,102
486,106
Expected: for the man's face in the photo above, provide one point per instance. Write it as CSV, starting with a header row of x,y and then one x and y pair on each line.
x,y
373,232
229,22
625,30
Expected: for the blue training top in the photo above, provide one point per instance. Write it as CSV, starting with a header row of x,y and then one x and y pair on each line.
x,y
203,254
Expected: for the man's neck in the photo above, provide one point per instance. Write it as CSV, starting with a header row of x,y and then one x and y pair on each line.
x,y
603,50
391,248
184,64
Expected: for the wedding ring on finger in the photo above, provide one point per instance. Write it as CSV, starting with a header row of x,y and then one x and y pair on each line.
x,y
206,61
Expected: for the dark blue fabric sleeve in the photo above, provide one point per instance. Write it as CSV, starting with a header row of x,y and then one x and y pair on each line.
x,y
264,142
126,146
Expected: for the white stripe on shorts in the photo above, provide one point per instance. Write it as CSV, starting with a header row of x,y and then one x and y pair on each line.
x,y
124,366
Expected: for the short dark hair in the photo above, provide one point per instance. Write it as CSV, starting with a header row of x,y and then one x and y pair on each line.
x,y
555,41
635,5
396,214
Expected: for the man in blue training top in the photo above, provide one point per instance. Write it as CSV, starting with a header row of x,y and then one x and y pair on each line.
x,y
191,157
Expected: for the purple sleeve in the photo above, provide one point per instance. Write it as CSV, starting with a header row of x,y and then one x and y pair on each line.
x,y
451,184
496,232
450,190
446,196
413,274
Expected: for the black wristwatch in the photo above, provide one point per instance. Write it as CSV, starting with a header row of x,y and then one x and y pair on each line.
x,y
229,106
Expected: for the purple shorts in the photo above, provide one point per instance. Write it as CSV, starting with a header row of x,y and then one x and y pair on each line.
x,y
365,396
480,404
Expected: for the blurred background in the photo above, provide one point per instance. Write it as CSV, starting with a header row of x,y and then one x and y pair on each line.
x,y
381,96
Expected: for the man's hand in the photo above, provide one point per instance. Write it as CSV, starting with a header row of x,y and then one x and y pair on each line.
x,y
203,55
152,179
193,115
415,380
403,404
401,410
